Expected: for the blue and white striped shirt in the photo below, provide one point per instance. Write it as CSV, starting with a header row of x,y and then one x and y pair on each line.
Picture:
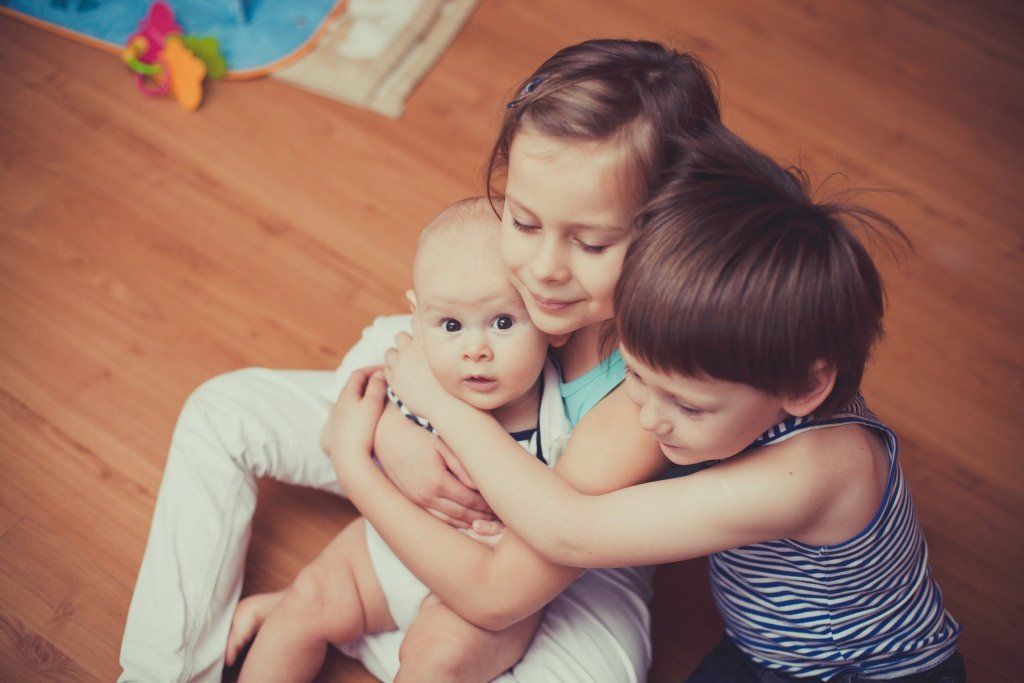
x,y
868,605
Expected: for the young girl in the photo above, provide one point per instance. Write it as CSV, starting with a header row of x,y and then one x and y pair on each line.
x,y
581,144
746,313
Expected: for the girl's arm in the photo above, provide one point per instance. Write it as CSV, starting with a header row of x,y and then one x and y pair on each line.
x,y
490,587
775,493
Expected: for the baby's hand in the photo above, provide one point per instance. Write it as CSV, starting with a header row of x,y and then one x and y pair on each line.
x,y
410,377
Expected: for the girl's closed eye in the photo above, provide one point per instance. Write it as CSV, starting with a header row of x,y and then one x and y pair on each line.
x,y
503,322
524,227
592,248
450,325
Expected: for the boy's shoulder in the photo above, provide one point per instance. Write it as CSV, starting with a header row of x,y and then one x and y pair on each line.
x,y
843,470
837,451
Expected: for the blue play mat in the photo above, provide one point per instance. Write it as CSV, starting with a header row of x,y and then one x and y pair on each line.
x,y
253,34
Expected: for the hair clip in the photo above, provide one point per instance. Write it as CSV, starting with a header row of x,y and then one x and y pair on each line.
x,y
530,86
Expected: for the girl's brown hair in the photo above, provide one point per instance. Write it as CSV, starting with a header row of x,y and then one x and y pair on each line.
x,y
636,91
738,274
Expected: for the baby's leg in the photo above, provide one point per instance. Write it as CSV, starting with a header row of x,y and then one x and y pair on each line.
x,y
335,599
442,646
249,617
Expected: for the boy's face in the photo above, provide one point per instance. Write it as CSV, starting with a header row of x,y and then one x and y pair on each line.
x,y
698,419
479,340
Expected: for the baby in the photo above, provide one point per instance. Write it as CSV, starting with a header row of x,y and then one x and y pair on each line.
x,y
482,346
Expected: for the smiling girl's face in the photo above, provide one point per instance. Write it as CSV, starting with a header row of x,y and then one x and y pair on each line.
x,y
566,227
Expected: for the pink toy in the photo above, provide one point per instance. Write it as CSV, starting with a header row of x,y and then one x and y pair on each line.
x,y
165,61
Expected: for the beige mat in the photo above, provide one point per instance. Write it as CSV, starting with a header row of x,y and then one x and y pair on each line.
x,y
375,52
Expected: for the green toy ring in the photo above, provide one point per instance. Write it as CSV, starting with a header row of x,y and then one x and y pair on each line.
x,y
140,67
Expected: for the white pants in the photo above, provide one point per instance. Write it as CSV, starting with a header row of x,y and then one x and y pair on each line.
x,y
266,423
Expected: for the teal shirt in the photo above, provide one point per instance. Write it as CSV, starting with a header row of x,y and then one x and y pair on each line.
x,y
584,392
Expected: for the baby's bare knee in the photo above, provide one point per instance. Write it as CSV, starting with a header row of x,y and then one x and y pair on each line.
x,y
311,599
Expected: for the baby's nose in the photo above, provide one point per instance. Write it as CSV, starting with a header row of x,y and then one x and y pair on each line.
x,y
476,349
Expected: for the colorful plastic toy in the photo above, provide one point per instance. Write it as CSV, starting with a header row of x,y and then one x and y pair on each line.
x,y
167,62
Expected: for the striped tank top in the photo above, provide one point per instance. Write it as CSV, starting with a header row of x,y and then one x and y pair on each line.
x,y
868,605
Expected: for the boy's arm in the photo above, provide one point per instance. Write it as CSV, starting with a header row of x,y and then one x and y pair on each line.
x,y
774,493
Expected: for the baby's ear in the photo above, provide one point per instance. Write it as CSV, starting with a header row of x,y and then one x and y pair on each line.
x,y
411,296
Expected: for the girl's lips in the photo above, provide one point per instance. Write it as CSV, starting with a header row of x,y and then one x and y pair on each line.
x,y
551,304
482,384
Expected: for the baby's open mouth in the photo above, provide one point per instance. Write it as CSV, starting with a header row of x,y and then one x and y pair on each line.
x,y
480,383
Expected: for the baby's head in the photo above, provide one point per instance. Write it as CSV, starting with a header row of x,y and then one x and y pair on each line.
x,y
743,301
479,340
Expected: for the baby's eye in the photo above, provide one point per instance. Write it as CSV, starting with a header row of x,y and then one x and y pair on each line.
x,y
504,322
451,325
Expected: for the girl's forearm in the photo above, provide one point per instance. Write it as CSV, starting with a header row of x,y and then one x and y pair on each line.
x,y
502,475
463,578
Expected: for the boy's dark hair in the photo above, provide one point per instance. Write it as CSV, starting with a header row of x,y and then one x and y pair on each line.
x,y
636,91
738,274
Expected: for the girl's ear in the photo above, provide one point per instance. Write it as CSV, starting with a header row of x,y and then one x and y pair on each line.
x,y
824,378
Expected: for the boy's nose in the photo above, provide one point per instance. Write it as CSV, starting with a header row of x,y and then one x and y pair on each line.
x,y
652,420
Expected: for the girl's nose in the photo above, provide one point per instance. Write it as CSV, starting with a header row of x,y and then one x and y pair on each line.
x,y
652,419
548,263
476,348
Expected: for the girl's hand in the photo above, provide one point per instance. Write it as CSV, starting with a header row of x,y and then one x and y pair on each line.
x,y
354,416
410,377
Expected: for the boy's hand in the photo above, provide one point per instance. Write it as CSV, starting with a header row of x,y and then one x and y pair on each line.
x,y
410,377
426,471
350,428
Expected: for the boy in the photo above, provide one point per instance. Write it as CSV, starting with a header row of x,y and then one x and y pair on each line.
x,y
483,348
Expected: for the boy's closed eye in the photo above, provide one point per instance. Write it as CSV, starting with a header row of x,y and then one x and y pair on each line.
x,y
676,403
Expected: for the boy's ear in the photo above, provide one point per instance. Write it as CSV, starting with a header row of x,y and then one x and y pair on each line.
x,y
823,378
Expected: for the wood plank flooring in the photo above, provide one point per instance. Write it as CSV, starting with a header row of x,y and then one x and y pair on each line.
x,y
144,249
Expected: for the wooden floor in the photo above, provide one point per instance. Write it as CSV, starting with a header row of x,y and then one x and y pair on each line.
x,y
144,249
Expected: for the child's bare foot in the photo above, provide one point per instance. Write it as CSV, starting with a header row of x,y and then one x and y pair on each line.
x,y
249,616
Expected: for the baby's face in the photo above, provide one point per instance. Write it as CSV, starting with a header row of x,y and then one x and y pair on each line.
x,y
479,340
